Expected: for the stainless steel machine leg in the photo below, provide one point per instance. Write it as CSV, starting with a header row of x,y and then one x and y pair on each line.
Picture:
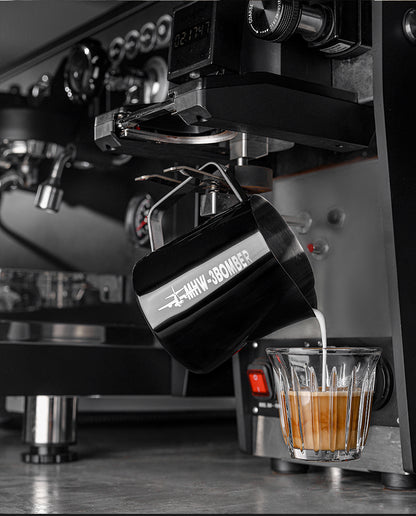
x,y
49,428
398,482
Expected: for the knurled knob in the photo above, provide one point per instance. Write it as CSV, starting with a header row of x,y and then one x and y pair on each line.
x,y
273,20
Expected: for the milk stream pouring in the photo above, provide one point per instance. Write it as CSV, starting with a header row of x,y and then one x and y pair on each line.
x,y
321,321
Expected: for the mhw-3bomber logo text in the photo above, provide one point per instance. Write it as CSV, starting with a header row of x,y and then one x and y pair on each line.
x,y
201,284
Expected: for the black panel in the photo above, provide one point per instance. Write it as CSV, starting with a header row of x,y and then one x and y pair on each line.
x,y
395,74
36,368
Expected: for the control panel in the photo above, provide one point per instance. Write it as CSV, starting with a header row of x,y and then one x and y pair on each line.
x,y
128,66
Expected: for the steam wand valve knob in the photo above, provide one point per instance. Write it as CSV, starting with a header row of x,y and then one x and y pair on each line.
x,y
49,193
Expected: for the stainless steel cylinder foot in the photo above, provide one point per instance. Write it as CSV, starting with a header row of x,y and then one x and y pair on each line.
x,y
285,467
49,428
49,455
398,482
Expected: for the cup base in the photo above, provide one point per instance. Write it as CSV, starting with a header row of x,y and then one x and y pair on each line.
x,y
326,455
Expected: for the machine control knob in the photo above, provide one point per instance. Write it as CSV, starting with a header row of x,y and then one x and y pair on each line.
x,y
409,25
277,20
336,217
319,249
117,50
84,71
148,37
383,387
164,30
132,44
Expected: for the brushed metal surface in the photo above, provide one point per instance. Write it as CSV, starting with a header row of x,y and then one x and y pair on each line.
x,y
381,453
351,282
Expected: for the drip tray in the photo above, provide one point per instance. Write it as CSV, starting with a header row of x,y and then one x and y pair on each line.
x,y
46,332
50,358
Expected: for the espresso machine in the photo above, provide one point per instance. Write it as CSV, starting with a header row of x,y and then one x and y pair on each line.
x,y
307,102
74,347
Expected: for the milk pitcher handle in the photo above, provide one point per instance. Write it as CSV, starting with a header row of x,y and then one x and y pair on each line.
x,y
155,215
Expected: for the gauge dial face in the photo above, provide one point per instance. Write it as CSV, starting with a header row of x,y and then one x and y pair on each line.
x,y
136,219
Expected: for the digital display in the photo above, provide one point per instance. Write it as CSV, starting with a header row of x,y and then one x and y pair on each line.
x,y
192,42
192,34
207,39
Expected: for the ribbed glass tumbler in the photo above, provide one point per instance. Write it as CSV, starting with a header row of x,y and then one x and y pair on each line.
x,y
325,399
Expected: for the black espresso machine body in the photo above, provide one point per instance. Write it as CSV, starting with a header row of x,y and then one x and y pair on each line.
x,y
315,86
72,266
71,229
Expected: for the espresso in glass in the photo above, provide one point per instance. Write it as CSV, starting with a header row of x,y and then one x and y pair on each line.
x,y
325,420
325,397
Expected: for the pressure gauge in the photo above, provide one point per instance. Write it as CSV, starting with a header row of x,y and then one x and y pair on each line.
x,y
136,219
84,71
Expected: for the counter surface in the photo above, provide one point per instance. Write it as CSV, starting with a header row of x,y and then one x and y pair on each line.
x,y
179,466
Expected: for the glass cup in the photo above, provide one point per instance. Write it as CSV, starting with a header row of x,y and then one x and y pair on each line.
x,y
324,420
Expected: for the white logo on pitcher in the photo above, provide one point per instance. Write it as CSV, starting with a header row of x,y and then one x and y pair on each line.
x,y
201,284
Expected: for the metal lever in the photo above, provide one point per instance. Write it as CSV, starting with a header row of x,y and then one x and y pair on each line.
x,y
161,108
158,178
233,185
302,222
155,214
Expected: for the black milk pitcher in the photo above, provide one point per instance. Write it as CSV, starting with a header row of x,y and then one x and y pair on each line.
x,y
238,276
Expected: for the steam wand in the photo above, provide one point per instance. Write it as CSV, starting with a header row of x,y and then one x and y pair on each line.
x,y
49,194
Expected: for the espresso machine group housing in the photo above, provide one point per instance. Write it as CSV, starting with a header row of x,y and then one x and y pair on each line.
x,y
71,229
308,104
